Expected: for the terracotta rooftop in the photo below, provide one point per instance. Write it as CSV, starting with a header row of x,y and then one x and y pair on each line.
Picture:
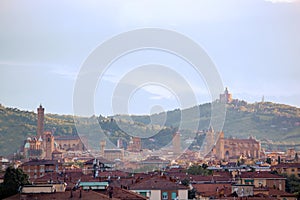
x,y
123,194
287,165
265,175
40,162
63,195
200,178
281,193
207,189
156,183
116,173
68,137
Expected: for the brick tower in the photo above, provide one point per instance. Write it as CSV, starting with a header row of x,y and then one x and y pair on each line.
x,y
49,145
176,143
40,121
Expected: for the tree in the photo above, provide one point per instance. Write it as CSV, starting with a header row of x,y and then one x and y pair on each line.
x,y
192,193
269,161
185,182
292,184
13,179
198,170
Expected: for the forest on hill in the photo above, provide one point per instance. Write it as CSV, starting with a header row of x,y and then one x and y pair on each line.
x,y
275,125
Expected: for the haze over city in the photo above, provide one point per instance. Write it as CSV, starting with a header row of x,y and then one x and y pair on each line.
x,y
150,99
254,45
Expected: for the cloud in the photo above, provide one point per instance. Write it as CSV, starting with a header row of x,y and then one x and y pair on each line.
x,y
65,73
158,92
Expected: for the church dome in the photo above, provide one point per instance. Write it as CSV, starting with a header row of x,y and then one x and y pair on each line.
x,y
27,145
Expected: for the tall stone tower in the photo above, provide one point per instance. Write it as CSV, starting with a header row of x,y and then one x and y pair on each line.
x,y
220,146
176,143
49,145
102,147
40,121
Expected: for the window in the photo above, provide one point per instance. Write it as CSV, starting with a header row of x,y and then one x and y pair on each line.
x,y
164,195
173,195
143,194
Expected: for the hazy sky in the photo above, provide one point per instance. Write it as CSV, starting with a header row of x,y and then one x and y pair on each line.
x,y
255,45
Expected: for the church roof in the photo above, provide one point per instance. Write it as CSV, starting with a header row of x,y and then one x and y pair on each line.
x,y
68,137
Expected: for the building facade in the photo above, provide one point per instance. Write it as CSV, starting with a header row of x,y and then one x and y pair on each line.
x,y
232,148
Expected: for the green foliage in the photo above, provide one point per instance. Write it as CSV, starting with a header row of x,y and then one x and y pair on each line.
x,y
13,179
192,193
198,170
185,182
266,121
292,184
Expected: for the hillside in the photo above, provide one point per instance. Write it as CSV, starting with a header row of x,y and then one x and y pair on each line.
x,y
276,125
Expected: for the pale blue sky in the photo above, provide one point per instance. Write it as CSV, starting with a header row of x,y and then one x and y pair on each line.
x,y
255,45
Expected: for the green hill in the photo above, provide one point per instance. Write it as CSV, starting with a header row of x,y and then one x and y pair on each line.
x,y
276,125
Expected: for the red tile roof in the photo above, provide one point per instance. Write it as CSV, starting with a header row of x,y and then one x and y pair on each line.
x,y
264,175
274,192
156,183
63,195
287,165
123,194
40,162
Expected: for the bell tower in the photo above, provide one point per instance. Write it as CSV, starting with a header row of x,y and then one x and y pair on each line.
x,y
40,121
49,145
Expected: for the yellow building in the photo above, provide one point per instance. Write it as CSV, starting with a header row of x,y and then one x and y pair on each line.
x,y
287,168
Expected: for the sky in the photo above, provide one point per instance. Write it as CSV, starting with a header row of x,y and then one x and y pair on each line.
x,y
254,45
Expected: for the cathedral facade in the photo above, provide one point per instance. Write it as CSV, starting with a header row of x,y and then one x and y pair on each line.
x,y
232,148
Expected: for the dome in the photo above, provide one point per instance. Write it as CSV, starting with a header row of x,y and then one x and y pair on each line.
x,y
27,145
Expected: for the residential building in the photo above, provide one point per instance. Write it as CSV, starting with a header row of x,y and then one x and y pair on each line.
x,y
160,188
287,168
39,168
263,179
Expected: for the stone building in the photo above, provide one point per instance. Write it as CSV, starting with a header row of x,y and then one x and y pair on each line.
x,y
70,142
135,144
226,97
44,143
38,168
232,148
